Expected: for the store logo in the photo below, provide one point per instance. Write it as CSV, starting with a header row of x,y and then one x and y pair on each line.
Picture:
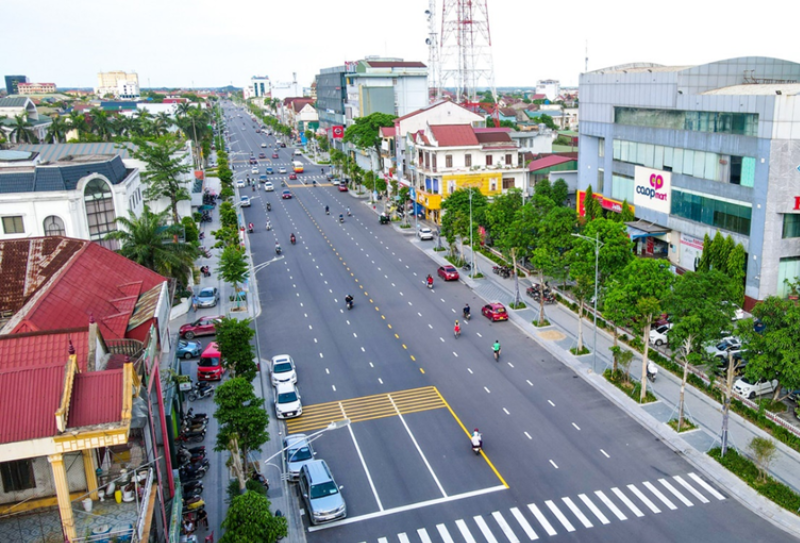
x,y
656,181
797,202
656,184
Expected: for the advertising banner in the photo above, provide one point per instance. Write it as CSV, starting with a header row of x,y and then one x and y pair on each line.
x,y
337,132
652,189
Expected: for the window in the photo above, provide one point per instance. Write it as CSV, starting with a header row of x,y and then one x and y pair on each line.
x,y
427,161
791,225
468,160
788,268
17,475
508,183
745,124
601,147
723,214
54,226
100,212
433,161
601,175
622,188
488,160
13,225
448,161
508,160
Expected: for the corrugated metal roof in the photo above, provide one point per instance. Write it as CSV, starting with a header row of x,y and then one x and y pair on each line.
x,y
13,101
61,177
760,89
57,151
145,308
393,64
493,137
387,131
43,348
454,135
96,398
29,402
547,162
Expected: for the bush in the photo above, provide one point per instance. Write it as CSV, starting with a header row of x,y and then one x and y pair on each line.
x,y
633,390
576,352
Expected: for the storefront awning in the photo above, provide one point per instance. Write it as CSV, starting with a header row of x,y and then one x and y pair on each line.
x,y
645,229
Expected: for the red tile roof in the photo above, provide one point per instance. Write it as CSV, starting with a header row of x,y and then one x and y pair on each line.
x,y
393,64
96,398
454,135
387,131
29,402
426,108
43,348
547,162
493,137
538,97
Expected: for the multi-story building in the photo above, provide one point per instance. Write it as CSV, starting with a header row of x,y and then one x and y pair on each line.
x,y
128,89
697,150
11,106
12,81
331,97
260,85
107,82
550,88
36,88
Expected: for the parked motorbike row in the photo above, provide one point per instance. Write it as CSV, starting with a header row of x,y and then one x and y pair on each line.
x,y
504,271
535,292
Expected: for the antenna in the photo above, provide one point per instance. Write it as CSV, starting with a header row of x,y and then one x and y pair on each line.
x,y
434,75
586,60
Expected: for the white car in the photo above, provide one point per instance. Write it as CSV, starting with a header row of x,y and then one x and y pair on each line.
x,y
281,170
424,233
658,336
298,152
268,186
264,145
240,183
726,345
748,389
254,171
287,401
245,201
282,369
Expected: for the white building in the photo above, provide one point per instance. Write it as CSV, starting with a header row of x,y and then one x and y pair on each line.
x,y
551,88
11,106
127,89
260,86
107,81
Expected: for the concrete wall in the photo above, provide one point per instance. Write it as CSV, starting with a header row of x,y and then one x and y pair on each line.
x,y
45,488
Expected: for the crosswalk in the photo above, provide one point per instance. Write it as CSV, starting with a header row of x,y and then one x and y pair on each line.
x,y
570,514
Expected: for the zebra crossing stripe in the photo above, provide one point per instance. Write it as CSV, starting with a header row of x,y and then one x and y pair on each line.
x,y
644,499
383,540
675,492
462,527
484,528
659,495
593,508
403,538
691,489
707,486
524,524
614,509
542,520
423,535
635,510
578,513
444,534
512,538
560,516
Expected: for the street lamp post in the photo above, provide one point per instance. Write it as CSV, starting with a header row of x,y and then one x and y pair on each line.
x,y
597,245
471,248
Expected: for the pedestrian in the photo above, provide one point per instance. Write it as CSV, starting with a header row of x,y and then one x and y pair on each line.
x,y
194,303
202,519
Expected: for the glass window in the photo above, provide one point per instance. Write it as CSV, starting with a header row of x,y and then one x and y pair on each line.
x,y
668,162
601,174
788,270
677,160
617,149
17,475
601,147
711,167
488,160
54,226
748,177
508,183
468,160
100,213
791,225
699,164
448,161
508,160
622,188
658,157
718,213
688,162
696,121
13,225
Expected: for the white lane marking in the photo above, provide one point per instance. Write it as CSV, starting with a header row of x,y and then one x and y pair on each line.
x,y
418,313
444,534
442,299
578,513
363,463
394,285
371,365
402,537
478,334
455,354
659,495
524,524
423,535
333,387
469,370
593,508
635,510
604,453
484,528
301,304
529,382
383,540
509,533
409,303
650,505
441,339
309,327
327,371
527,435
321,356
487,390
707,486
380,380
354,334
560,516
510,364
462,527
363,350
431,327
419,450
554,464
542,520
347,321
675,493
691,489
576,426
614,509
506,411
551,403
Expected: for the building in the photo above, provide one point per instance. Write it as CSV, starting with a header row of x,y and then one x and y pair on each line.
x,y
260,86
12,106
36,88
299,113
331,97
107,82
550,88
12,81
128,89
697,150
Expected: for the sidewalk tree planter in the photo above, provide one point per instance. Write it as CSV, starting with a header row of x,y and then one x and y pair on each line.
x,y
233,267
249,519
233,338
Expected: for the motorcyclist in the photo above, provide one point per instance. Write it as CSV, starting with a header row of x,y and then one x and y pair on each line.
x,y
457,328
327,210
476,439
465,311
250,227
496,348
269,225
269,206
341,217
652,370
349,300
429,280
277,247
292,238
348,211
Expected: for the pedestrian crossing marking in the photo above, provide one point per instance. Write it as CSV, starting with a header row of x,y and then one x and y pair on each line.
x,y
608,503
403,538
444,534
707,486
691,489
644,499
593,508
675,493
524,524
577,512
635,510
509,533
542,520
659,495
465,533
423,535
560,516
484,528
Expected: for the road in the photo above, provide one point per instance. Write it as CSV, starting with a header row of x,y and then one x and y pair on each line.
x,y
559,459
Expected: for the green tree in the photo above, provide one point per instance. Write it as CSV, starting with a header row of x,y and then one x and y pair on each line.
x,y
148,240
365,131
233,338
456,218
543,187
737,271
592,209
560,192
705,257
636,294
500,215
233,267
775,352
101,125
77,122
627,212
696,319
249,519
22,130
546,120
241,417
718,260
57,131
164,175
191,234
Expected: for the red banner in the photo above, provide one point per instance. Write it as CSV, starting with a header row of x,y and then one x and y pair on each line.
x,y
337,132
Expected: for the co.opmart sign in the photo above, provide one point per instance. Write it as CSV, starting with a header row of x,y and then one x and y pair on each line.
x,y
652,189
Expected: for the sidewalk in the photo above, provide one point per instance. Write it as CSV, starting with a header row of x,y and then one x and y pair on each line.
x,y
561,336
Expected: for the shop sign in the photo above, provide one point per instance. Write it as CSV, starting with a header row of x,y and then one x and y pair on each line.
x,y
652,189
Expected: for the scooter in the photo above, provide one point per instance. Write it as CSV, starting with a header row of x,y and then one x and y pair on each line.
x,y
466,267
189,486
193,472
277,249
201,463
188,456
467,316
249,229
193,503
341,218
293,240
651,374
193,427
269,206
349,304
190,414
200,393
430,284
479,447
349,214
192,437
191,493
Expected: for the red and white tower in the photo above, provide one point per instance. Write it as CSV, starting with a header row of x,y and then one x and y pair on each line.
x,y
466,49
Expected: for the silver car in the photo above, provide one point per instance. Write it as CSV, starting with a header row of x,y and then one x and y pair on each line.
x,y
324,501
282,369
425,233
298,452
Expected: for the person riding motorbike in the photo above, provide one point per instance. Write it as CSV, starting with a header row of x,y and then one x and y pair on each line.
x,y
652,371
269,206
327,210
496,349
457,329
465,311
277,247
292,238
254,188
269,226
476,439
341,217
348,300
429,280
250,227
348,211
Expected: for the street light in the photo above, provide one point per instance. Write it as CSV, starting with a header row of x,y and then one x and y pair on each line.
x,y
335,425
597,245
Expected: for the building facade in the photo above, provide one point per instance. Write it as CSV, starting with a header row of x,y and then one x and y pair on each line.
x,y
107,81
36,88
551,88
260,85
12,106
697,150
128,89
12,81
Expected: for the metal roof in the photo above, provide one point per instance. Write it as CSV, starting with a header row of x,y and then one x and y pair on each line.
x,y
54,152
454,135
29,402
96,398
13,101
760,89
43,348
60,176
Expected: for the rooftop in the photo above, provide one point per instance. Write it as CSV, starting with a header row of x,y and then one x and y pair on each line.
x,y
64,174
96,398
13,101
22,418
394,64
639,67
548,162
60,151
760,89
44,348
454,135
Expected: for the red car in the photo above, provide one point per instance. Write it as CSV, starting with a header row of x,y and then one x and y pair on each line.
x,y
204,326
293,176
286,195
495,312
274,155
342,187
262,155
448,273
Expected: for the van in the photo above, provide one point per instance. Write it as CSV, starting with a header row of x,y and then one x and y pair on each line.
x,y
209,368
324,501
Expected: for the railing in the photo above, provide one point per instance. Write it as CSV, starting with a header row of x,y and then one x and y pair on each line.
x,y
129,347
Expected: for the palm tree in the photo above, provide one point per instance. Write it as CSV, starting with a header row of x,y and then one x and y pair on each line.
x,y
161,124
77,122
148,240
22,130
183,109
101,124
57,131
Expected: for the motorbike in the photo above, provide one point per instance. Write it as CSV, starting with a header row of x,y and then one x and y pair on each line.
x,y
192,437
466,267
269,227
250,229
189,486
191,493
293,240
193,472
341,218
269,206
193,503
200,393
467,315
327,211
201,463
651,373
277,249
193,426
430,285
456,331
349,303
349,214
477,448
192,415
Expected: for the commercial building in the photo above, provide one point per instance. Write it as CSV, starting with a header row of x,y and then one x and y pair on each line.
x,y
697,150
12,106
550,88
107,82
12,81
260,86
128,89
36,88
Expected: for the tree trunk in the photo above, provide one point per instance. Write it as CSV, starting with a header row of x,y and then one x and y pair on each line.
x,y
726,406
646,339
541,298
580,326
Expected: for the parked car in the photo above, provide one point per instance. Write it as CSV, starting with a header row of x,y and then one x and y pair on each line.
x,y
495,312
204,326
324,501
209,367
188,349
658,335
747,388
298,452
268,186
287,401
282,369
730,343
208,297
424,233
448,273
739,361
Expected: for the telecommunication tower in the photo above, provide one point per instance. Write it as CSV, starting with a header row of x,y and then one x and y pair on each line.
x,y
466,49
432,41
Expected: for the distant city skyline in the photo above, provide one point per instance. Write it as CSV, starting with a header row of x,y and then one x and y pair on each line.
x,y
196,44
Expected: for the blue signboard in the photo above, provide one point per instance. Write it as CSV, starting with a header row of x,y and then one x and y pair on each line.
x,y
303,139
